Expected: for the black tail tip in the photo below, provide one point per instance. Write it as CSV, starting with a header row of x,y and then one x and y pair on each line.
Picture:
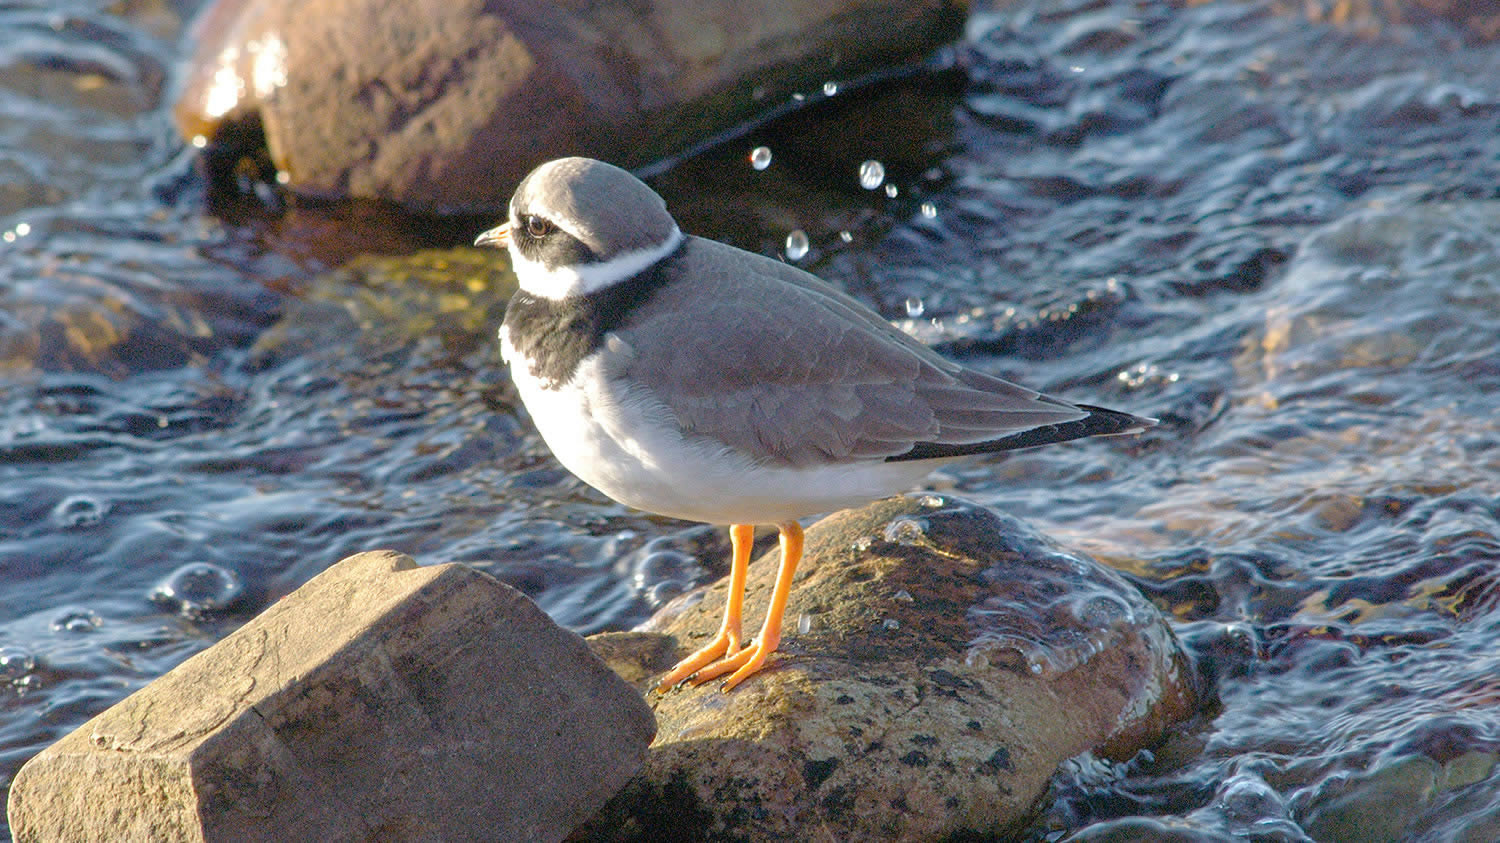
x,y
1103,421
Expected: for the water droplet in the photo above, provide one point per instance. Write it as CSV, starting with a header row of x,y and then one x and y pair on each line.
x,y
929,210
76,511
16,663
871,174
77,620
905,531
760,157
799,97
846,236
891,191
830,88
198,589
933,501
890,623
915,307
797,245
804,623
904,596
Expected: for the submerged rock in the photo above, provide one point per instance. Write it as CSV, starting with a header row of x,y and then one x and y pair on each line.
x,y
949,660
377,306
380,701
443,107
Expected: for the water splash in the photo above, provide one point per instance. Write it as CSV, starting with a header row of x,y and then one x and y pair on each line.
x,y
199,590
1053,613
77,621
661,572
16,664
79,511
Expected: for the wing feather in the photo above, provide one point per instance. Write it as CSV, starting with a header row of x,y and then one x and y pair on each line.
x,y
786,368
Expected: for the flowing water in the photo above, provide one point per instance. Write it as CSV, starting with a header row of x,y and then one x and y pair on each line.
x,y
1282,238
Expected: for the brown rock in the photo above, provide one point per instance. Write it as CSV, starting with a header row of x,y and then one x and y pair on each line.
x,y
953,660
380,701
445,106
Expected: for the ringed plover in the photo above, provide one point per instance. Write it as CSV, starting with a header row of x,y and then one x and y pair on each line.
x,y
688,378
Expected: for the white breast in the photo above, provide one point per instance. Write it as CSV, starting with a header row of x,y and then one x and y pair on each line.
x,y
620,439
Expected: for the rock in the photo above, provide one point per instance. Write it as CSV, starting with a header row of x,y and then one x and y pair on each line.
x,y
1396,800
379,701
435,303
444,107
953,660
1478,19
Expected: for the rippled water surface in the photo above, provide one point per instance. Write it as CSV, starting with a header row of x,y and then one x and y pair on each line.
x,y
1279,237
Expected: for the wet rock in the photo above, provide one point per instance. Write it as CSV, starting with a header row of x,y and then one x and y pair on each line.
x,y
951,659
379,701
445,106
1438,260
1388,802
1478,19
379,307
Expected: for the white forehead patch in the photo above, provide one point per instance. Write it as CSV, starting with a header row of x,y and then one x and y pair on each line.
x,y
568,281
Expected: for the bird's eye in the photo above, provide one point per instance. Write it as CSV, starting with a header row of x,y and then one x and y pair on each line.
x,y
537,226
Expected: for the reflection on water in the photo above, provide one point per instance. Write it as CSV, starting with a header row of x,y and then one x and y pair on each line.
x,y
1280,238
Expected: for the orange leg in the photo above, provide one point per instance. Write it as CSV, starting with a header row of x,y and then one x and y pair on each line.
x,y
727,642
750,660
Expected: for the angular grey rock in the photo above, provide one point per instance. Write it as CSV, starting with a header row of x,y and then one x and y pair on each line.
x,y
380,701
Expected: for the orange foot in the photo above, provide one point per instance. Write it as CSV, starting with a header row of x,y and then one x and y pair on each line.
x,y
723,645
725,648
727,642
745,664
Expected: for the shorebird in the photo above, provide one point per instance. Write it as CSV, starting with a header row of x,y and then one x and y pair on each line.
x,y
692,379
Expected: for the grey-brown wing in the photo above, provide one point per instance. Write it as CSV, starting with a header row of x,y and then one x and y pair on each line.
x,y
777,364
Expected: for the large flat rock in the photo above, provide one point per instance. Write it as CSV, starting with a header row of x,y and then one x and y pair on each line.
x,y
380,701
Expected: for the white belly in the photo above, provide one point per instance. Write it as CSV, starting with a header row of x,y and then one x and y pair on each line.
x,y
628,446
